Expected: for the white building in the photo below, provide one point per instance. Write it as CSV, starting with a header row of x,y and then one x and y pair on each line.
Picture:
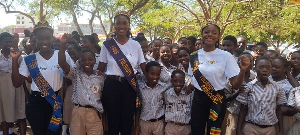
x,y
69,27
24,22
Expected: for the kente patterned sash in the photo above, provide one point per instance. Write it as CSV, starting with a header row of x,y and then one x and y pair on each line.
x,y
214,124
123,64
46,91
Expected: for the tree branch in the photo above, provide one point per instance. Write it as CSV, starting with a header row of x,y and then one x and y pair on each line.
x,y
7,11
184,6
204,9
139,5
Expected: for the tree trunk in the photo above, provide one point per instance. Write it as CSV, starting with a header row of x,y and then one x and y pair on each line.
x,y
91,21
76,22
102,25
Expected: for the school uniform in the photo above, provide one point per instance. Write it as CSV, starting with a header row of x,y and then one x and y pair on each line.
x,y
152,108
118,96
216,66
294,101
38,110
261,102
140,75
233,108
86,95
178,112
288,121
165,74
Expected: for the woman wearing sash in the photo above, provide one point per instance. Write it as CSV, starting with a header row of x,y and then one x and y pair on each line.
x,y
211,67
43,109
119,56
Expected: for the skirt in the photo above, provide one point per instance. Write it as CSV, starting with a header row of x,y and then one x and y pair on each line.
x,y
9,106
68,106
288,121
295,129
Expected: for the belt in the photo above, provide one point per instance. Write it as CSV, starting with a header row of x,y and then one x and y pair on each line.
x,y
178,124
160,118
261,126
38,93
84,106
117,78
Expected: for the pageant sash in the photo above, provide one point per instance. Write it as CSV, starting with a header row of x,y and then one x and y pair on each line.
x,y
46,91
214,124
123,64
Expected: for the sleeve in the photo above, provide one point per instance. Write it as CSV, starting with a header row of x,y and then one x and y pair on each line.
x,y
69,60
243,96
23,70
231,68
103,54
141,58
280,99
71,73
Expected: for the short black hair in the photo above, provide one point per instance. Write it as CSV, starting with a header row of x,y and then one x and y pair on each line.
x,y
165,46
181,38
168,39
263,44
140,39
90,38
177,71
4,35
74,33
86,50
152,64
185,49
140,35
73,45
232,39
174,47
273,51
192,39
94,34
262,58
157,40
284,61
238,51
76,37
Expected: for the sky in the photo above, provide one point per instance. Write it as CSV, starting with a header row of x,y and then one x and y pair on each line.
x,y
6,19
10,19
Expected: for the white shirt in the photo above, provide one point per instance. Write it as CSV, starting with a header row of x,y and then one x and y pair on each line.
x,y
50,70
133,52
216,66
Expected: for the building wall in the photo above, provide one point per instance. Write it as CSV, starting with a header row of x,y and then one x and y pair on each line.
x,y
23,21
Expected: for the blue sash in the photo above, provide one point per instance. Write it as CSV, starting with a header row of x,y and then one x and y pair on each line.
x,y
47,92
123,64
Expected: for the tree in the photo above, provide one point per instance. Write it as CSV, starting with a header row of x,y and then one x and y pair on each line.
x,y
9,8
159,21
107,9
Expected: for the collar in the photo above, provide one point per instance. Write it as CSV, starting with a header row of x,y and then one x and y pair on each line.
x,y
95,73
173,93
255,81
144,85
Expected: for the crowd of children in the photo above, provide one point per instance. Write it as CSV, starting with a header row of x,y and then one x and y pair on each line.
x,y
194,86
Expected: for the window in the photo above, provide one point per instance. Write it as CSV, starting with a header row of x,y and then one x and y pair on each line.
x,y
18,17
18,22
22,22
60,28
23,17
